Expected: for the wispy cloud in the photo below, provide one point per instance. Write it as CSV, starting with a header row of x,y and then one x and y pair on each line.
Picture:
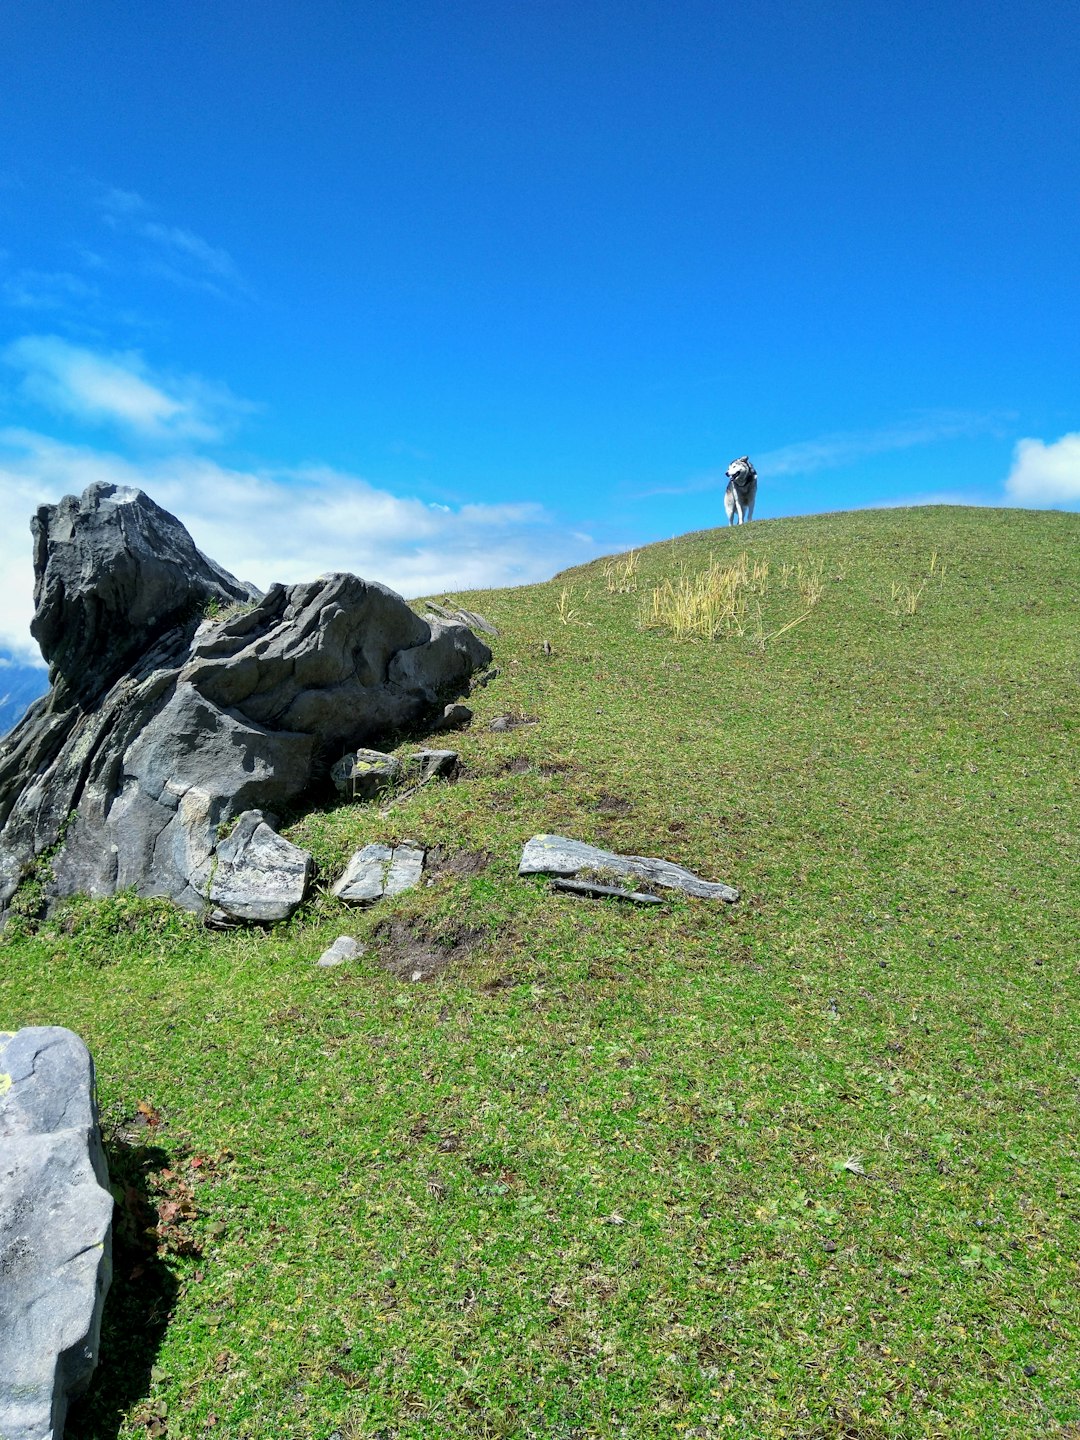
x,y
1045,474
116,204
846,447
275,524
170,252
47,290
119,389
839,448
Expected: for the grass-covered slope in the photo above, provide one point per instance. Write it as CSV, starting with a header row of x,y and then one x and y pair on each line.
x,y
805,1166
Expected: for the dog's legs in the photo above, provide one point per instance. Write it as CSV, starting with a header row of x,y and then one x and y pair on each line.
x,y
729,506
749,511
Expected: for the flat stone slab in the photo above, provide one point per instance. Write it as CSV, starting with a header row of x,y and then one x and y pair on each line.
x,y
257,875
379,870
55,1229
558,855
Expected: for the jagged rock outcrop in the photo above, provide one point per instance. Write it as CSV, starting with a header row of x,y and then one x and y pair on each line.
x,y
55,1229
112,572
162,727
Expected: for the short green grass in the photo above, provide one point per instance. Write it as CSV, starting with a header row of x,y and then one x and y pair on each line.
x,y
802,1167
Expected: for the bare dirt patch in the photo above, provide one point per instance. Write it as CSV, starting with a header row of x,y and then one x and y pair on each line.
x,y
411,953
557,767
514,765
613,805
456,862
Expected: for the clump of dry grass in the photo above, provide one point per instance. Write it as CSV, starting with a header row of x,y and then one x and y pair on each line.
x,y
717,600
619,573
907,595
711,603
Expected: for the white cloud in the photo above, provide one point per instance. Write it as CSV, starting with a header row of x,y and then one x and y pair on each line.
x,y
119,389
1045,474
269,525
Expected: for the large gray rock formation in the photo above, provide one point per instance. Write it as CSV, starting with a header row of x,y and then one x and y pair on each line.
x,y
162,726
55,1229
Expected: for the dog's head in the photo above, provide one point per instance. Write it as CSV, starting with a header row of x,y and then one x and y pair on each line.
x,y
741,471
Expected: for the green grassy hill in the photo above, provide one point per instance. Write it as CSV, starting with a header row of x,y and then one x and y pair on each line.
x,y
805,1166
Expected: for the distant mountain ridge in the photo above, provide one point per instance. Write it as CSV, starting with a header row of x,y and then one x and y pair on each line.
x,y
20,685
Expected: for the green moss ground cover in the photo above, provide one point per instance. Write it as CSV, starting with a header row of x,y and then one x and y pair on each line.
x,y
802,1167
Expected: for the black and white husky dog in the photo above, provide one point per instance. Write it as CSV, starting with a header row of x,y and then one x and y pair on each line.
x,y
741,490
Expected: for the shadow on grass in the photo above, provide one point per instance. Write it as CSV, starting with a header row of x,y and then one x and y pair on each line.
x,y
140,1300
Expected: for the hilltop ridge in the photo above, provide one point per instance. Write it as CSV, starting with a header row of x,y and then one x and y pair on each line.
x,y
799,1166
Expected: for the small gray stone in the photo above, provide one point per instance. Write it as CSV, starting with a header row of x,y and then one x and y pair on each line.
x,y
344,948
256,874
362,774
454,717
479,681
424,765
379,870
558,855
55,1229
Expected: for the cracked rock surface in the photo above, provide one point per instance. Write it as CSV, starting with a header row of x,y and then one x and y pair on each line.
x,y
55,1229
162,727
379,870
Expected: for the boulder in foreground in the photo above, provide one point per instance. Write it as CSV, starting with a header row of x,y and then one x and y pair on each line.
x,y
558,855
55,1229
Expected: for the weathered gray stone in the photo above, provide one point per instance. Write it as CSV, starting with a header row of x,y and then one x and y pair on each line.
x,y
423,765
344,948
379,870
362,774
454,717
256,874
558,855
55,1229
160,730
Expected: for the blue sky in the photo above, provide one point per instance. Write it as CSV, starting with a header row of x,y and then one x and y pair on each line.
x,y
459,294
